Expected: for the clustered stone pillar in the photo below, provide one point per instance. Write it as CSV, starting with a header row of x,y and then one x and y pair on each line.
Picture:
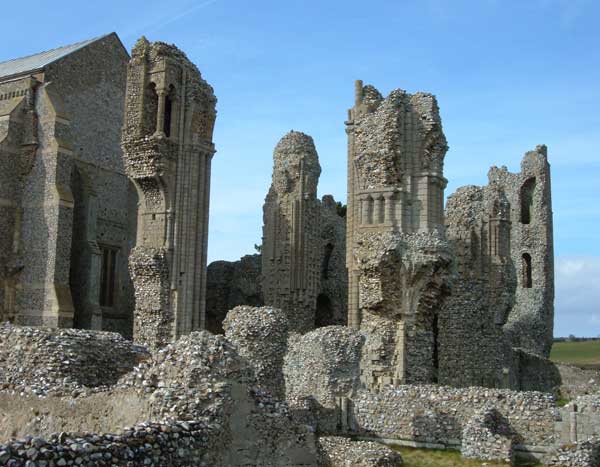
x,y
170,168
291,232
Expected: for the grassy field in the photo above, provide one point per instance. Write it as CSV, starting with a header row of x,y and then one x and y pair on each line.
x,y
431,458
585,354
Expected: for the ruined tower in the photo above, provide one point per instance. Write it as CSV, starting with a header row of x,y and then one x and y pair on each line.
x,y
291,232
396,251
501,309
167,142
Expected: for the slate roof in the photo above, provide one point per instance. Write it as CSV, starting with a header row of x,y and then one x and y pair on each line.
x,y
19,66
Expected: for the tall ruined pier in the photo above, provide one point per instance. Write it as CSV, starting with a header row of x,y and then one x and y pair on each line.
x,y
167,142
396,251
291,232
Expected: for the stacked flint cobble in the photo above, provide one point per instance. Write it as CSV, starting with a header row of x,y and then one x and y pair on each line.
x,y
176,444
191,378
487,437
438,414
583,454
45,361
260,335
320,368
335,451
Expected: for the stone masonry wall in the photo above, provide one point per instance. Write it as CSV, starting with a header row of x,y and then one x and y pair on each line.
x,y
230,284
260,335
240,282
437,415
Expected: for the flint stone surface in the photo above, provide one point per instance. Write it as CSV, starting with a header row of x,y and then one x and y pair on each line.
x,y
335,451
260,335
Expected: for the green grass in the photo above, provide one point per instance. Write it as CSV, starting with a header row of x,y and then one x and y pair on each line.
x,y
585,354
433,458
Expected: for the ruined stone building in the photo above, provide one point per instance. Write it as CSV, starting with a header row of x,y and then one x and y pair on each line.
x,y
167,142
461,298
502,298
397,256
66,205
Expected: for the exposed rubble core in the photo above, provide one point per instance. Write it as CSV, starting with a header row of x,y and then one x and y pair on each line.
x,y
321,370
41,361
260,336
583,454
167,144
290,248
335,451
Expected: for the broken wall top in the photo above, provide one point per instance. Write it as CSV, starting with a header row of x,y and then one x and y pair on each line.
x,y
396,137
296,166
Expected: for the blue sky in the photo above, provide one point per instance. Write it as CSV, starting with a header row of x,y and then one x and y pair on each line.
x,y
508,75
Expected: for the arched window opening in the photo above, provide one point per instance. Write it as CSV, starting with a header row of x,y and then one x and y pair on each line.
x,y
324,315
527,280
527,200
326,260
168,112
150,109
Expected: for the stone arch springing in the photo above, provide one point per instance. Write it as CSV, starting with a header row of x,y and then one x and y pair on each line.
x,y
527,191
527,275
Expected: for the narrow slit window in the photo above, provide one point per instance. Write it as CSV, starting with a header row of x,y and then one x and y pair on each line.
x,y
108,277
527,200
527,276
168,116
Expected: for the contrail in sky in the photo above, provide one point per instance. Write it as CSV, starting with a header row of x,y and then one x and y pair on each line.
x,y
161,24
